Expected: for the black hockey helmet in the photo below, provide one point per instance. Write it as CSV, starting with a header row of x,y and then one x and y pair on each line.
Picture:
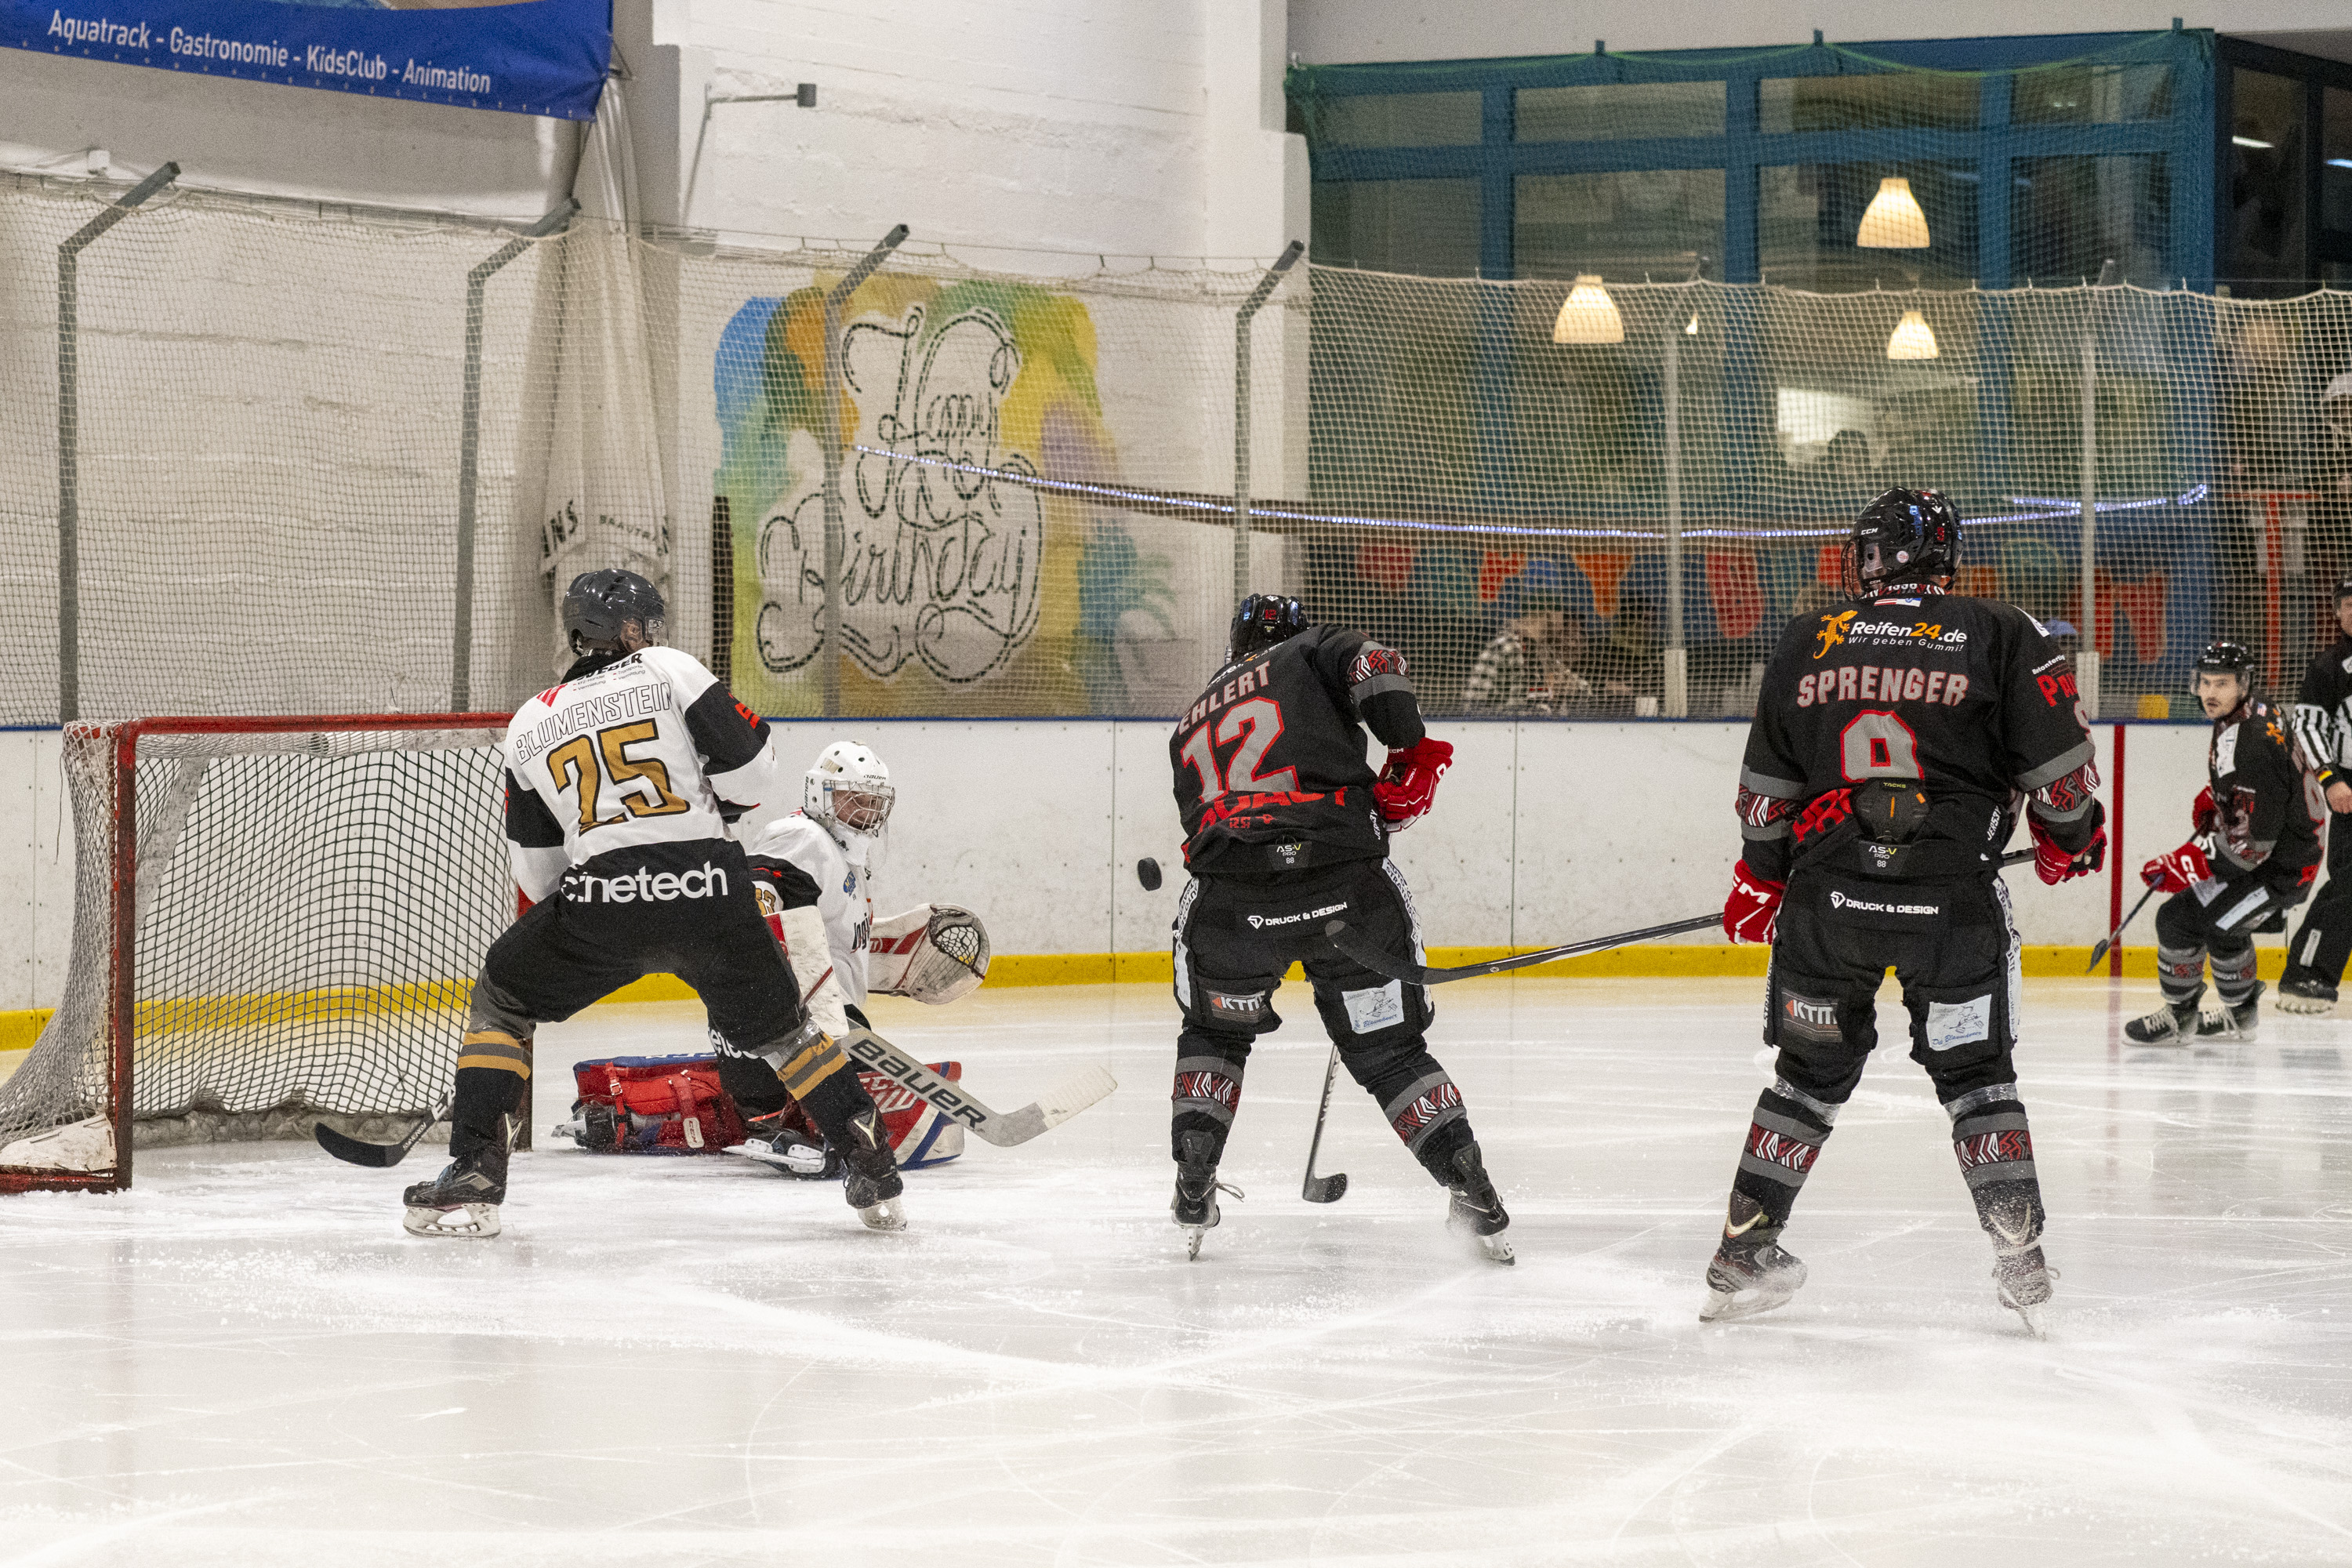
x,y
1263,620
1918,535
2223,657
2344,588
598,604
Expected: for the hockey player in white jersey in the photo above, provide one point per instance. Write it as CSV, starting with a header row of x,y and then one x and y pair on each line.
x,y
813,874
621,781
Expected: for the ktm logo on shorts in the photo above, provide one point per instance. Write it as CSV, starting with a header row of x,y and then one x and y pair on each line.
x,y
1832,632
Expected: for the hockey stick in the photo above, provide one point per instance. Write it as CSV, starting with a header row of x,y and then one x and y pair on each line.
x,y
356,1151
1339,935
1328,1189
1002,1128
2100,951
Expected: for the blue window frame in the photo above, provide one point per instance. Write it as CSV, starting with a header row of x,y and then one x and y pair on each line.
x,y
2143,103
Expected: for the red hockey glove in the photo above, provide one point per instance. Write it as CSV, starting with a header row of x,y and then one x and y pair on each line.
x,y
2175,872
1753,911
1407,787
2055,864
2201,815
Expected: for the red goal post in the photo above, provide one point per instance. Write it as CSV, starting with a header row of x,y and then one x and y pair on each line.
x,y
275,919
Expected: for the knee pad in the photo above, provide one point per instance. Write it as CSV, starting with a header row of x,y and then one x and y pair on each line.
x,y
492,1010
1822,1032
1373,1014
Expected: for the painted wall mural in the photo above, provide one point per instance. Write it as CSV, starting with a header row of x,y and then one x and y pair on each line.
x,y
956,576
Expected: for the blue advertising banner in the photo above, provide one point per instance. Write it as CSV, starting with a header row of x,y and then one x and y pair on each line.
x,y
521,56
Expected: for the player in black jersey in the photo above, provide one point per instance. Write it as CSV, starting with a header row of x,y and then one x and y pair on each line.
x,y
1285,827
2254,856
2322,730
1895,737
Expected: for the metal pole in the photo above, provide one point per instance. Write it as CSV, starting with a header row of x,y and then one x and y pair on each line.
x,y
470,451
69,436
1257,296
836,540
1677,703
2086,661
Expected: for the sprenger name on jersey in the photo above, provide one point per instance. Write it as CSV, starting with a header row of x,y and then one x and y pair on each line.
x,y
629,702
1876,683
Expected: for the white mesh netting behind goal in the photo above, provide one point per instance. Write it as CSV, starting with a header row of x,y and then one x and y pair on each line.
x,y
274,922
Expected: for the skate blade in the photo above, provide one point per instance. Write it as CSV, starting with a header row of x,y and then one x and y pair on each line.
x,y
472,1222
1729,1307
2309,1006
793,1159
1495,1250
884,1216
1193,1235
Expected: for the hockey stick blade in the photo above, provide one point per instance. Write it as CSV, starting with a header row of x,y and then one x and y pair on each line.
x,y
1328,1189
377,1156
1003,1128
2115,935
1339,935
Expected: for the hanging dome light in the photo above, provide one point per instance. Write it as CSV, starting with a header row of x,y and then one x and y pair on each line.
x,y
1894,221
1588,315
1913,338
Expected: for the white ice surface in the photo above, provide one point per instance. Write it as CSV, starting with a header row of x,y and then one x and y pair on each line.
x,y
692,1360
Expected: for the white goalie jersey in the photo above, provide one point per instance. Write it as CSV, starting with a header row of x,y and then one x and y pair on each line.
x,y
815,891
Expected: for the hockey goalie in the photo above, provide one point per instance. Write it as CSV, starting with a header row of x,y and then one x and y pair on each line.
x,y
812,873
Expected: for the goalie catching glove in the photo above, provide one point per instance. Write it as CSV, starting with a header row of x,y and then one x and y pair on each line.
x,y
1407,787
933,953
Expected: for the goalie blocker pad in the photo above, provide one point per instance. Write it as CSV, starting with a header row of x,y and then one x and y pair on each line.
x,y
932,952
674,1105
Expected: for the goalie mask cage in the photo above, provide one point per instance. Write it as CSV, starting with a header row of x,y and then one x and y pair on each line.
x,y
276,920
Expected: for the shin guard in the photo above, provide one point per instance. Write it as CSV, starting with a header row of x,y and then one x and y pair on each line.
x,y
1429,1118
2180,972
1995,1149
2233,975
1207,1091
1784,1139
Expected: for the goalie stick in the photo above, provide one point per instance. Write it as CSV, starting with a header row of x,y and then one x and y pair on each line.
x,y
1002,1128
357,1152
1339,935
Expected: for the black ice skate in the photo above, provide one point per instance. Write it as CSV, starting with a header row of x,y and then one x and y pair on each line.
x,y
2020,1273
2231,1021
1195,1203
871,1182
2173,1024
1477,1209
786,1151
464,1199
2303,990
1750,1273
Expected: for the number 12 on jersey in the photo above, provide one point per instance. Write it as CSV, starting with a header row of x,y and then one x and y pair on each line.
x,y
1256,724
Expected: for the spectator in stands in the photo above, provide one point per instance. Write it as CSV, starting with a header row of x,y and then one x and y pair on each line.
x,y
1631,664
1529,666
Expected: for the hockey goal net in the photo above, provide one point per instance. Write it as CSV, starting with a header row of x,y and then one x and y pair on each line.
x,y
276,921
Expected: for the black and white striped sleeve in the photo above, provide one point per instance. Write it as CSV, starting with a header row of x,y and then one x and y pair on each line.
x,y
2316,720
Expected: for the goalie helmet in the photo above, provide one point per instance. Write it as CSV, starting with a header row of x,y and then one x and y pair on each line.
x,y
849,789
599,607
1903,536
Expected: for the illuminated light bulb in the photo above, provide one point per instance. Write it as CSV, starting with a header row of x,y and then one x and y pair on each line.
x,y
1588,315
1894,221
1913,338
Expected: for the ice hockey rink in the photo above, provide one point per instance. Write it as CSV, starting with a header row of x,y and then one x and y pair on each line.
x,y
691,1361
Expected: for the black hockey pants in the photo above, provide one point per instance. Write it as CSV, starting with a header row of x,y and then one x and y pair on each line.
x,y
2323,944
2215,922
1235,936
1955,950
681,909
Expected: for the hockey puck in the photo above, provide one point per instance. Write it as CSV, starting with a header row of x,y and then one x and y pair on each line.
x,y
1146,871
